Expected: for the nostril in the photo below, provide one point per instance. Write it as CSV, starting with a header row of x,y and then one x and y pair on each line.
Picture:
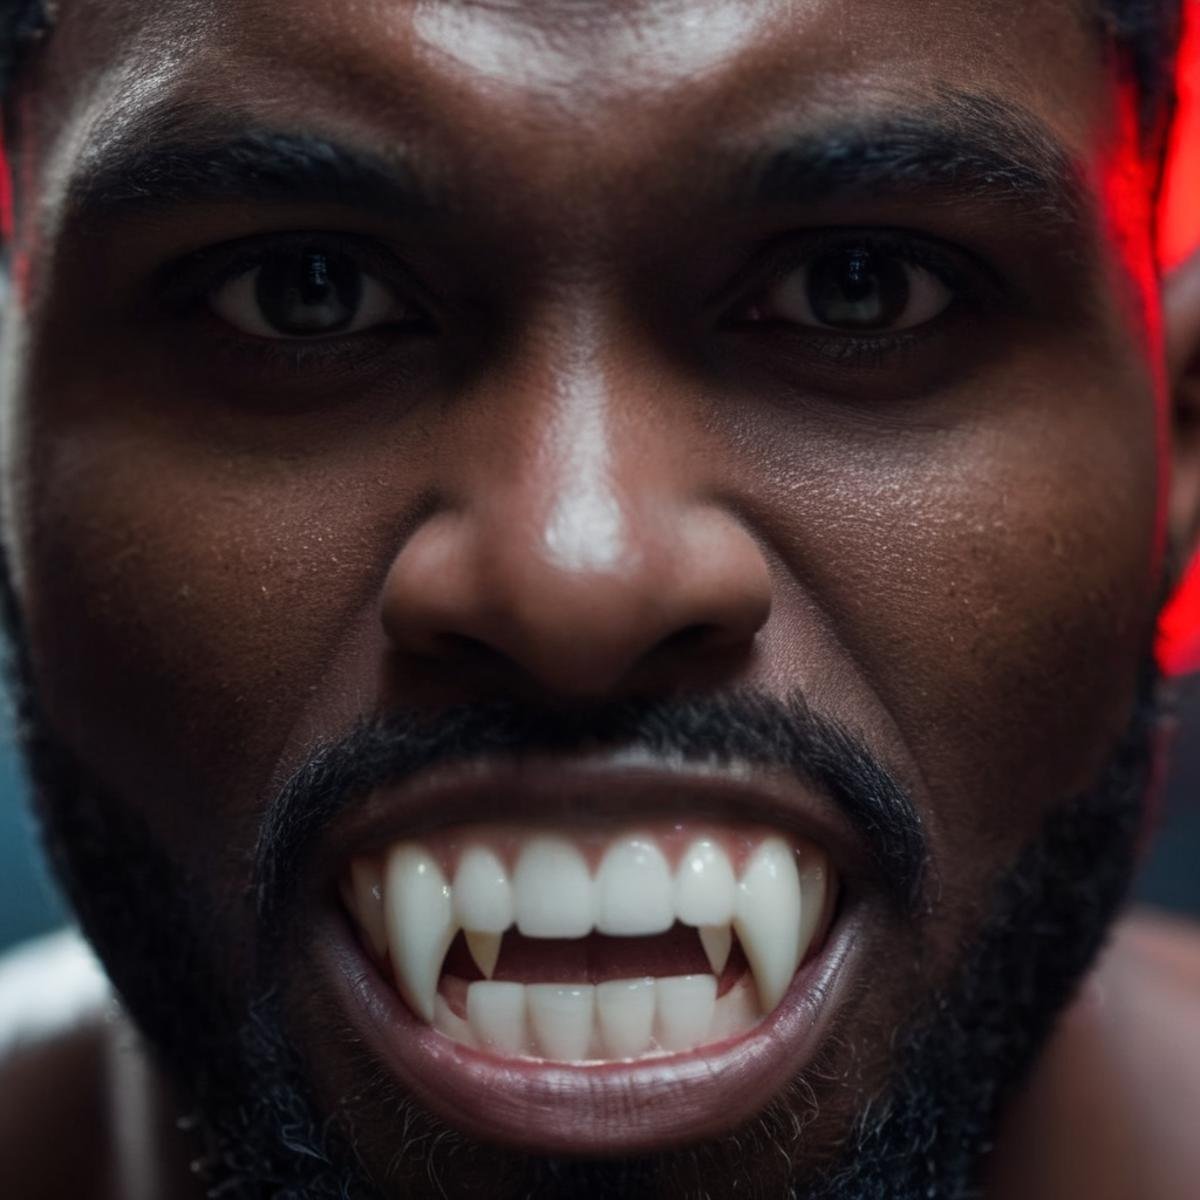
x,y
463,648
690,637
483,598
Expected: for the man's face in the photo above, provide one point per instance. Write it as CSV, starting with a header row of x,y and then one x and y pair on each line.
x,y
393,358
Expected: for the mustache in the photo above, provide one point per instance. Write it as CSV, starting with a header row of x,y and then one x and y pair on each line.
x,y
739,727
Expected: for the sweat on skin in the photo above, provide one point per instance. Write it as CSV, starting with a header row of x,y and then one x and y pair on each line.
x,y
582,583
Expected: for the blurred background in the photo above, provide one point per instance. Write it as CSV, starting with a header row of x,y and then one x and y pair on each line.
x,y
1170,877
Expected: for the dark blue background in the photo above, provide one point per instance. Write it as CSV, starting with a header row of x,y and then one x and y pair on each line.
x,y
1171,877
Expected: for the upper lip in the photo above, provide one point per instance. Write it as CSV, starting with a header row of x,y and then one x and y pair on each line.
x,y
611,789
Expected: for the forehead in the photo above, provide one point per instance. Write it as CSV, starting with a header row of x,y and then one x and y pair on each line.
x,y
568,89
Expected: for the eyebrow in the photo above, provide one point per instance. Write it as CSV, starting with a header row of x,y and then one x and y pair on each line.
x,y
209,161
963,147
967,147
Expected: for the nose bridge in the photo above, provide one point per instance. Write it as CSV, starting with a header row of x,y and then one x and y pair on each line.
x,y
588,524
573,520
580,492
579,542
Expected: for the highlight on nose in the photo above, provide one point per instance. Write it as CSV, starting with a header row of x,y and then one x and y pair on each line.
x,y
571,621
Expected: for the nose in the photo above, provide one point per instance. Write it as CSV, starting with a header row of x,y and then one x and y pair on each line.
x,y
582,556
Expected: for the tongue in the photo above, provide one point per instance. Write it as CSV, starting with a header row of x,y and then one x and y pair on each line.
x,y
594,959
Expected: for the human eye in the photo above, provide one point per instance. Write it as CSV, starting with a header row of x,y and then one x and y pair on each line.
x,y
854,288
863,314
844,291
295,319
298,288
303,292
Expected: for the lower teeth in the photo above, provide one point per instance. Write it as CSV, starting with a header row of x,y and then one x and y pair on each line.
x,y
619,1020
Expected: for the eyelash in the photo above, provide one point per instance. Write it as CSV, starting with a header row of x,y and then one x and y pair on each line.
x,y
910,248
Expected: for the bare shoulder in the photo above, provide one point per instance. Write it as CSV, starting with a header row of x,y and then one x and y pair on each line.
x,y
48,988
1147,1000
1147,997
53,1004
1109,1111
1154,961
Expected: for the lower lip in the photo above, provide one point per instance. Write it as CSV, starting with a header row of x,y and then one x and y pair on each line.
x,y
596,1109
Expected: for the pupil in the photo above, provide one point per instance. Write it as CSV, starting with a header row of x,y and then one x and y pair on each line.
x,y
310,292
857,289
860,282
314,286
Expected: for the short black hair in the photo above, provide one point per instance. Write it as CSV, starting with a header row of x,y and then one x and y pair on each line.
x,y
22,23
1144,32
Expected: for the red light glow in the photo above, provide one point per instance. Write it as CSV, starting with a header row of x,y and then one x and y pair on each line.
x,y
1179,629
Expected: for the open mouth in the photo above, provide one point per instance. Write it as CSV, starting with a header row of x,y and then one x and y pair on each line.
x,y
635,958
530,943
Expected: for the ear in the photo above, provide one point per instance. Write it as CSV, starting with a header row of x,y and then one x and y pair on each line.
x,y
1181,316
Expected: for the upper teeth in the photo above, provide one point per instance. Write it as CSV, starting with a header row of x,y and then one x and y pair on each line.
x,y
409,909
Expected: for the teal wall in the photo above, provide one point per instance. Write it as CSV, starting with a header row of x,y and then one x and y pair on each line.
x,y
28,902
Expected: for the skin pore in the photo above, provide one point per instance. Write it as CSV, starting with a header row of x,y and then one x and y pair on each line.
x,y
593,451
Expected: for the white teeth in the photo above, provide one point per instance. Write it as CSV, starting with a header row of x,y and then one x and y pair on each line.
x,y
768,919
625,1010
717,941
408,912
685,1010
705,888
483,899
366,882
561,1018
620,1019
553,890
447,1021
496,1013
736,1012
420,924
633,889
485,949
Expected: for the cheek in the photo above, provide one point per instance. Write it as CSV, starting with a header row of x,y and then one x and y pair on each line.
x,y
1026,651
183,610
990,588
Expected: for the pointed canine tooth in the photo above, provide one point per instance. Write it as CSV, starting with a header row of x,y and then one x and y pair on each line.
x,y
553,890
483,899
366,881
717,941
768,919
561,1016
633,889
420,924
485,949
685,1005
496,1014
625,1011
705,889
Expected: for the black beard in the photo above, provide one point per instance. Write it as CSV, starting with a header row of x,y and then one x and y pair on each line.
x,y
924,1136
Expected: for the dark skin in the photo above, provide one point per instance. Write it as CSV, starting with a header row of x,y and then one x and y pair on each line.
x,y
581,462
